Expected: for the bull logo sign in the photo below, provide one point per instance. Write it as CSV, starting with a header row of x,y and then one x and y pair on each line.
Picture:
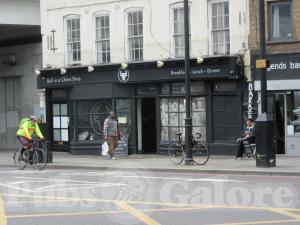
x,y
123,75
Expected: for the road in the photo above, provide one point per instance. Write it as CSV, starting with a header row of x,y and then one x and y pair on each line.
x,y
88,197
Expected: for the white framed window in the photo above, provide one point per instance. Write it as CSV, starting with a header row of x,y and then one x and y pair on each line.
x,y
220,29
73,44
102,22
178,31
135,35
178,34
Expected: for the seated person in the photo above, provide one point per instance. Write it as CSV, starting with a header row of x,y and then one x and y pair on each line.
x,y
248,135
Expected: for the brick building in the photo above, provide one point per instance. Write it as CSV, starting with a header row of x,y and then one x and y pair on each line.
x,y
283,75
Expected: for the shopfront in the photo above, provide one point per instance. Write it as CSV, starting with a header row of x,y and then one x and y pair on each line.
x,y
149,103
283,84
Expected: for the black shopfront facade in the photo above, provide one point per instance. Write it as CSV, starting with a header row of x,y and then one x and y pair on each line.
x,y
149,103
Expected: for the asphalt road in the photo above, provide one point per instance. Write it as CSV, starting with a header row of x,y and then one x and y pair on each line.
x,y
85,197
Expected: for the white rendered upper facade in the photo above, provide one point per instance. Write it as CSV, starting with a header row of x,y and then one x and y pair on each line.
x,y
104,31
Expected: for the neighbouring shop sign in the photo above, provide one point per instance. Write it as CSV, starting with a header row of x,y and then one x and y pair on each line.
x,y
250,100
282,67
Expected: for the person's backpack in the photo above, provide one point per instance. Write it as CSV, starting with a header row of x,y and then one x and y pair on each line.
x,y
24,120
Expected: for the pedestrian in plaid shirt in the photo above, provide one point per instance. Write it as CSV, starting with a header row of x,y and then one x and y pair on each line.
x,y
111,133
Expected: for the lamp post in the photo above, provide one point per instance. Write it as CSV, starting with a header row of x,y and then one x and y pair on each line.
x,y
265,126
262,40
188,119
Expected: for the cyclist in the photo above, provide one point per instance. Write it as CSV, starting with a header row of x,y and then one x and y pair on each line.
x,y
28,127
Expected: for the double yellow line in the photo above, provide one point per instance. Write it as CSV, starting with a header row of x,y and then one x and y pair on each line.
x,y
3,220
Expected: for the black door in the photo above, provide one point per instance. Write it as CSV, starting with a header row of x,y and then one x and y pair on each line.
x,y
276,111
225,119
149,125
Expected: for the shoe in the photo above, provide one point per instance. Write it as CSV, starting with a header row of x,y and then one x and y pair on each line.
x,y
113,158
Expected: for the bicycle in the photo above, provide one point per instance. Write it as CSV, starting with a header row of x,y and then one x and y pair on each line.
x,y
33,155
177,151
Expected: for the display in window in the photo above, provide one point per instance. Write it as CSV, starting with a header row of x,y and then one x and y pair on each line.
x,y
164,134
296,122
173,105
173,119
98,114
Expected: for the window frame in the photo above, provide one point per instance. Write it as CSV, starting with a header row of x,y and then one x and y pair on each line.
x,y
270,19
211,31
97,15
134,10
66,19
173,7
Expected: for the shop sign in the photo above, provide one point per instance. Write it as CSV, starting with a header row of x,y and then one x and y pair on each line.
x,y
250,100
123,75
281,67
206,71
63,80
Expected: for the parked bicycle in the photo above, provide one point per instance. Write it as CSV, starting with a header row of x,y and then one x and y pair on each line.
x,y
177,150
34,155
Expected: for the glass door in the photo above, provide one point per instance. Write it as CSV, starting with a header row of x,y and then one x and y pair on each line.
x,y
60,124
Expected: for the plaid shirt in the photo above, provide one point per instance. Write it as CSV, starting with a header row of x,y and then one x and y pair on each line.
x,y
113,122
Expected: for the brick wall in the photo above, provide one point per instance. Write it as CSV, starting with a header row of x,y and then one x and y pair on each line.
x,y
282,47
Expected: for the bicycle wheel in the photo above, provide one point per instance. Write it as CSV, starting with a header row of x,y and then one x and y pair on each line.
x,y
175,153
200,154
19,160
39,159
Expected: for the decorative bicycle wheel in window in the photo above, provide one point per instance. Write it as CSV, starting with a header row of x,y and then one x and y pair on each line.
x,y
98,114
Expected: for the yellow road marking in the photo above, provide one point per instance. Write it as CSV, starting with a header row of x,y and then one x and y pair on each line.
x,y
3,219
136,213
40,201
259,222
286,213
64,214
44,198
96,213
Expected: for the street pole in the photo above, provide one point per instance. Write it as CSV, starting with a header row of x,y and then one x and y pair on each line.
x,y
265,125
262,40
188,119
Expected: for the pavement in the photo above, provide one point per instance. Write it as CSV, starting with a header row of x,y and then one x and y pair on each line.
x,y
285,166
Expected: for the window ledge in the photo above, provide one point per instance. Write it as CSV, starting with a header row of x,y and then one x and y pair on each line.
x,y
284,41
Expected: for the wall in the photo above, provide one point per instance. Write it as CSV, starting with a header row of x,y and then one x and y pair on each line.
x,y
279,47
157,31
19,96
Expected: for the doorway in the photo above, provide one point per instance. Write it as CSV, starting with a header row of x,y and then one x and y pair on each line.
x,y
148,128
276,109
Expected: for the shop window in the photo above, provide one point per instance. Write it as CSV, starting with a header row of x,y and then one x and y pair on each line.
x,y
90,116
280,22
178,88
173,115
220,27
135,35
220,86
293,113
165,89
123,114
103,38
73,44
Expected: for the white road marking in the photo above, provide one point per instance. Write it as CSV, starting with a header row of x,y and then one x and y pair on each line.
x,y
185,179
